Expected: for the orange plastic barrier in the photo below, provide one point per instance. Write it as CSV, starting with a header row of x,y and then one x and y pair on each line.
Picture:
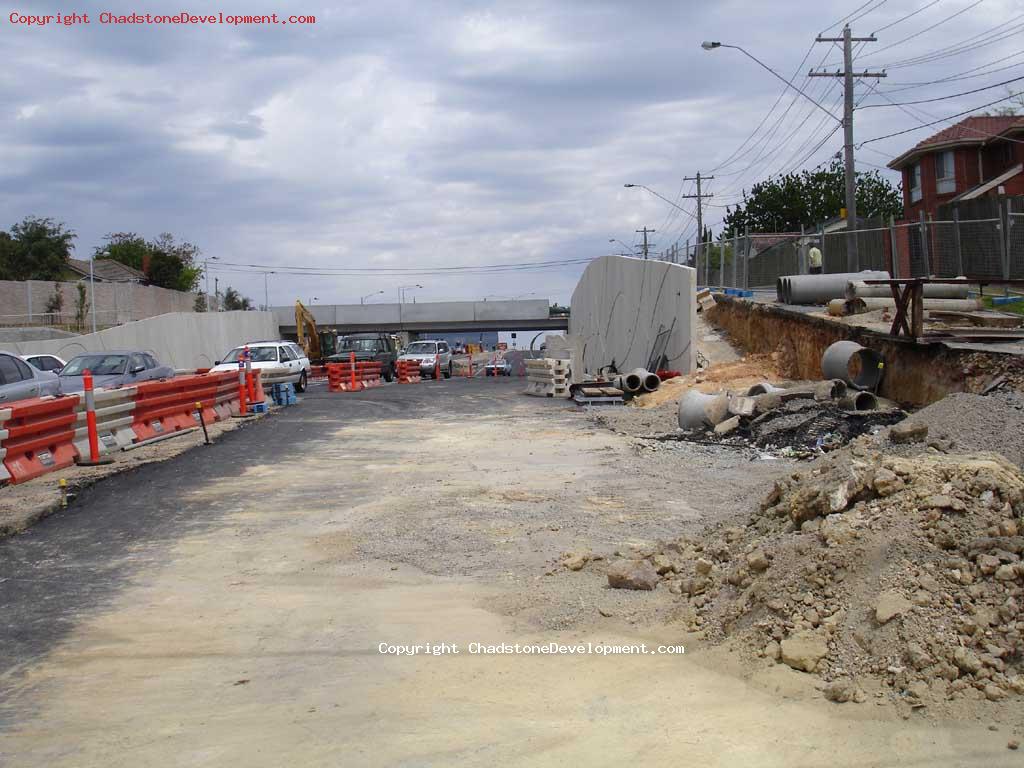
x,y
349,377
164,407
38,436
318,373
408,371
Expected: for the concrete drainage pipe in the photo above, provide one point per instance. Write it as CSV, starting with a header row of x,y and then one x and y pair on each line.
x,y
629,382
649,382
820,289
861,401
858,289
697,409
763,388
859,367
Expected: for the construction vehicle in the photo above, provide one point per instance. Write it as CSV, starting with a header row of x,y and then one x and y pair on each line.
x,y
312,340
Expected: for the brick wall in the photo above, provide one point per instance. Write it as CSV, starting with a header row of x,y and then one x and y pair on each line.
x,y
116,303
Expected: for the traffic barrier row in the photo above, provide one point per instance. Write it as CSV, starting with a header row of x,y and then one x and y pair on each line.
x,y
37,436
318,373
408,371
113,409
353,376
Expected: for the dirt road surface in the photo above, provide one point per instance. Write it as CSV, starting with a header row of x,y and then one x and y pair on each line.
x,y
228,607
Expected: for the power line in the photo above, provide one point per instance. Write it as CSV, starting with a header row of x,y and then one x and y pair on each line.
x,y
925,30
970,45
891,88
464,269
946,119
908,16
944,98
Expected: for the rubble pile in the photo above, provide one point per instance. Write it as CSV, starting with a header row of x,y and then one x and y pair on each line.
x,y
871,570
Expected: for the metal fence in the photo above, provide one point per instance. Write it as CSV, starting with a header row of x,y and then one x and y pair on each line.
x,y
981,239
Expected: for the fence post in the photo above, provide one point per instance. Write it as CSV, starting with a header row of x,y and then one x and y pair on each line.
x,y
956,242
924,245
707,262
688,253
735,256
721,260
801,253
1004,236
893,251
821,239
746,257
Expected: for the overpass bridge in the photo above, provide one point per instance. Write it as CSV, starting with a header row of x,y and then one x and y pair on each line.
x,y
429,317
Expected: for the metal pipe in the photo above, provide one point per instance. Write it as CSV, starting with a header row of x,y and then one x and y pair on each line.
x,y
858,289
820,289
861,401
859,367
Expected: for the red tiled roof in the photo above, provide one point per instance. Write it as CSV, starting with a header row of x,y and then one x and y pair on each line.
x,y
975,129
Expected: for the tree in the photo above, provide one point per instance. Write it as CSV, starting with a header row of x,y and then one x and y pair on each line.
x,y
55,304
81,306
1015,107
38,249
199,305
785,203
234,300
164,262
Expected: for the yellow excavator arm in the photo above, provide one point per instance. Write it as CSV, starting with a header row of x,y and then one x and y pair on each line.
x,y
306,332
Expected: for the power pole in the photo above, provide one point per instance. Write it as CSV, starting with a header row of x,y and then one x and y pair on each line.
x,y
699,197
647,245
852,249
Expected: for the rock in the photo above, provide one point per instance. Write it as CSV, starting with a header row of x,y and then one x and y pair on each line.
x,y
773,651
605,612
1006,573
887,482
839,497
632,574
728,426
994,693
966,661
988,564
1013,744
704,566
890,605
758,560
803,650
941,501
917,656
662,564
1008,528
575,561
908,432
841,691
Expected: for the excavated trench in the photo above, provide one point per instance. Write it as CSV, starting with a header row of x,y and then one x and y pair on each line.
x,y
915,374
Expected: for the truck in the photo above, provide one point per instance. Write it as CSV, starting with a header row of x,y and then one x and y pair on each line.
x,y
379,347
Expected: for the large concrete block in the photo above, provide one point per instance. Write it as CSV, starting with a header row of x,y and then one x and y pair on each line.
x,y
621,304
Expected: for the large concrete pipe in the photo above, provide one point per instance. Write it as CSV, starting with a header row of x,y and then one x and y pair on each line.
x,y
848,361
629,382
820,289
697,409
858,289
861,401
649,382
780,294
859,305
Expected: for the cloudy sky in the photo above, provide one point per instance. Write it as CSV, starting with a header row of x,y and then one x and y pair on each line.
x,y
417,135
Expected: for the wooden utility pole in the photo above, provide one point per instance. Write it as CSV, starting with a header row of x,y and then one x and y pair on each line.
x,y
646,245
847,73
699,197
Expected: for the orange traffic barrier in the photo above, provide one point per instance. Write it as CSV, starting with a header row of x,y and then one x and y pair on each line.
x,y
408,371
318,373
165,407
353,376
38,436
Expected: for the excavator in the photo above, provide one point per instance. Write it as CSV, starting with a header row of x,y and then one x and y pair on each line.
x,y
316,343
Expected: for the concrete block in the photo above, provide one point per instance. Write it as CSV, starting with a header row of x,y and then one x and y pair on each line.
x,y
728,426
742,406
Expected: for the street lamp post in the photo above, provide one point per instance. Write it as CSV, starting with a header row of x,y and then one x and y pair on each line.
x,y
362,299
206,275
403,289
92,292
266,292
616,240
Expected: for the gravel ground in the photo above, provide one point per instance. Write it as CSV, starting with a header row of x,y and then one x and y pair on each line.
x,y
979,423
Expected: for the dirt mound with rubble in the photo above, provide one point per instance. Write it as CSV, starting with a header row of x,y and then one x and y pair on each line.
x,y
873,571
736,375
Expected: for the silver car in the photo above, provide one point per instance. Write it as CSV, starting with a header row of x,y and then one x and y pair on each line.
x,y
19,380
432,354
111,370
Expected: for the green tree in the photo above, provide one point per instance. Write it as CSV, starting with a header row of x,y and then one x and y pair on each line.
x,y
785,203
38,249
6,256
55,304
81,306
199,305
233,300
165,262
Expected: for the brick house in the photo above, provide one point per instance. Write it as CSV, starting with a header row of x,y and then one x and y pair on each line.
x,y
966,161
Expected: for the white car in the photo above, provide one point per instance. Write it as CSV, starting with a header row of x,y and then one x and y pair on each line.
x,y
45,362
431,354
271,354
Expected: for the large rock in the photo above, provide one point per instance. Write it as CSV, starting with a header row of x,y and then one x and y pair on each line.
x,y
890,605
632,574
908,432
803,650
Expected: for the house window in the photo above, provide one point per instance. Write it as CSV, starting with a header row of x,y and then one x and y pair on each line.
x,y
945,176
914,182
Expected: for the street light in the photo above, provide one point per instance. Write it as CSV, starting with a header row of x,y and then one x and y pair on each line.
x,y
363,299
403,289
708,45
266,293
206,274
616,240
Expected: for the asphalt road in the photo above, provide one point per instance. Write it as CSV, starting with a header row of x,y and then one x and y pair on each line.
x,y
72,563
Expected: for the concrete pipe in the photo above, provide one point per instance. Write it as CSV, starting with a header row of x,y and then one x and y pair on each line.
x,y
820,289
780,294
649,382
858,289
858,305
830,389
629,382
859,367
763,388
861,401
697,409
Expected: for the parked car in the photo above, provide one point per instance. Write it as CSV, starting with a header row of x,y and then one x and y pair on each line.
x,y
120,368
272,354
431,354
50,363
498,367
19,380
368,347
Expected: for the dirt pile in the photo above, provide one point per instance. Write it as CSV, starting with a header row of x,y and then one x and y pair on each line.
x,y
735,375
872,571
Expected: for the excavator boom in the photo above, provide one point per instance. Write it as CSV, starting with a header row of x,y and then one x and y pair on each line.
x,y
306,332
